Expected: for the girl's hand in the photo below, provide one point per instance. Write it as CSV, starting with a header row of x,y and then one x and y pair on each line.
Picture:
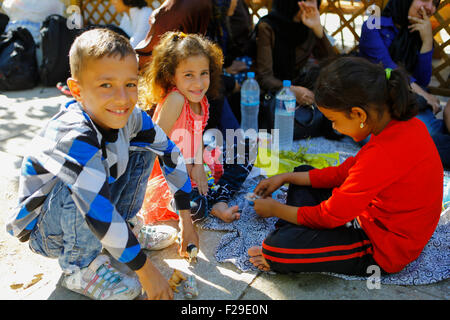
x,y
266,187
303,95
198,175
423,26
265,207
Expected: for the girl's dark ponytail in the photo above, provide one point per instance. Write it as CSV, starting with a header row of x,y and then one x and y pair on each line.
x,y
400,99
347,82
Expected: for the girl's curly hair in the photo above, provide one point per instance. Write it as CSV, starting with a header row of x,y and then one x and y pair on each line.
x,y
158,76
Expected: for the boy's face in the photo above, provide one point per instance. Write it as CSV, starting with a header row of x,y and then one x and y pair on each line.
x,y
107,90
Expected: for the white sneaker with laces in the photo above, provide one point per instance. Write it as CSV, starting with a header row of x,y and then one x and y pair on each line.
x,y
157,237
101,281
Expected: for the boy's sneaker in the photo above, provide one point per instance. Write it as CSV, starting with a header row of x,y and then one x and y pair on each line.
x,y
157,237
101,281
150,237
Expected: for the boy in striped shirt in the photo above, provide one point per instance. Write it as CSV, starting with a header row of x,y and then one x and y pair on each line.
x,y
85,175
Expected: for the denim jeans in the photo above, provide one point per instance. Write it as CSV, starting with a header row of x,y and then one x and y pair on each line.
x,y
434,125
62,232
438,131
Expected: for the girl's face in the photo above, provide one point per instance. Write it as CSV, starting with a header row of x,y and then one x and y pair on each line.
x,y
415,10
350,126
192,77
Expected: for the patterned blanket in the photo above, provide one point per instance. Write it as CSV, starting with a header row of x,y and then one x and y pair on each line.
x,y
431,266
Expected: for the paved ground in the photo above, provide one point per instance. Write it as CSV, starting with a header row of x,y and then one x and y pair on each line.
x,y
24,275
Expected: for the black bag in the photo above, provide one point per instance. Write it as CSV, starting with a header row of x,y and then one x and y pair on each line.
x,y
57,39
4,19
308,120
252,45
18,66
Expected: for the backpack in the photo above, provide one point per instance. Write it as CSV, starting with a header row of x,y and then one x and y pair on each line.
x,y
56,40
18,66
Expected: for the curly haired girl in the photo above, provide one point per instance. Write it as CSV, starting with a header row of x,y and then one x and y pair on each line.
x,y
183,69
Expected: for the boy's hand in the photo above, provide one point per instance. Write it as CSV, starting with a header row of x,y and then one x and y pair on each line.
x,y
153,282
266,187
188,233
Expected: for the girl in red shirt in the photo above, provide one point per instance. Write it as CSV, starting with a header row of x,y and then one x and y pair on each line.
x,y
378,208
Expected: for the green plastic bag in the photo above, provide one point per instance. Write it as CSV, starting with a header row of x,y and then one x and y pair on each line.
x,y
273,162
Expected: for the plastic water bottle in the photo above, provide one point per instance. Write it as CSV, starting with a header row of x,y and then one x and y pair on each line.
x,y
284,115
250,104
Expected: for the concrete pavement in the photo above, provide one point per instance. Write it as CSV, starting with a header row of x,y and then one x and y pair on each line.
x,y
24,275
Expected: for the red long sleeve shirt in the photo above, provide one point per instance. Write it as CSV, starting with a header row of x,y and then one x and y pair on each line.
x,y
393,186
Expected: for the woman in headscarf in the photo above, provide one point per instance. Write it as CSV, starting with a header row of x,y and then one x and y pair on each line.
x,y
286,38
404,38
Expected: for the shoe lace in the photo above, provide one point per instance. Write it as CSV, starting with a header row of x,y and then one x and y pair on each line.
x,y
109,276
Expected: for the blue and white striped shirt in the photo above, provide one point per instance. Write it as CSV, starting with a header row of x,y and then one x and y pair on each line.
x,y
71,148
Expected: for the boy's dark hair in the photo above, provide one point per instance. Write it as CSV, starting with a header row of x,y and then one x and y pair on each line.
x,y
348,82
135,3
96,44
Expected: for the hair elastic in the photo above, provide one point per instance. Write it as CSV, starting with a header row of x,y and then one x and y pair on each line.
x,y
388,73
176,37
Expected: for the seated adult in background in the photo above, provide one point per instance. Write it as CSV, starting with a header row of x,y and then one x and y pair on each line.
x,y
135,18
188,16
230,26
285,41
286,38
221,32
442,139
405,38
241,25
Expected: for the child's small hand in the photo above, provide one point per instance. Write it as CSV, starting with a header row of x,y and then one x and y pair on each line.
x,y
264,207
266,187
198,175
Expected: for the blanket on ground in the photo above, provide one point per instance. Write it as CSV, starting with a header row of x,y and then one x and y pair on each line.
x,y
431,266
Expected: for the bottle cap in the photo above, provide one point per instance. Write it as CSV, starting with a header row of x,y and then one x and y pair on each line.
x,y
192,250
286,83
250,74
